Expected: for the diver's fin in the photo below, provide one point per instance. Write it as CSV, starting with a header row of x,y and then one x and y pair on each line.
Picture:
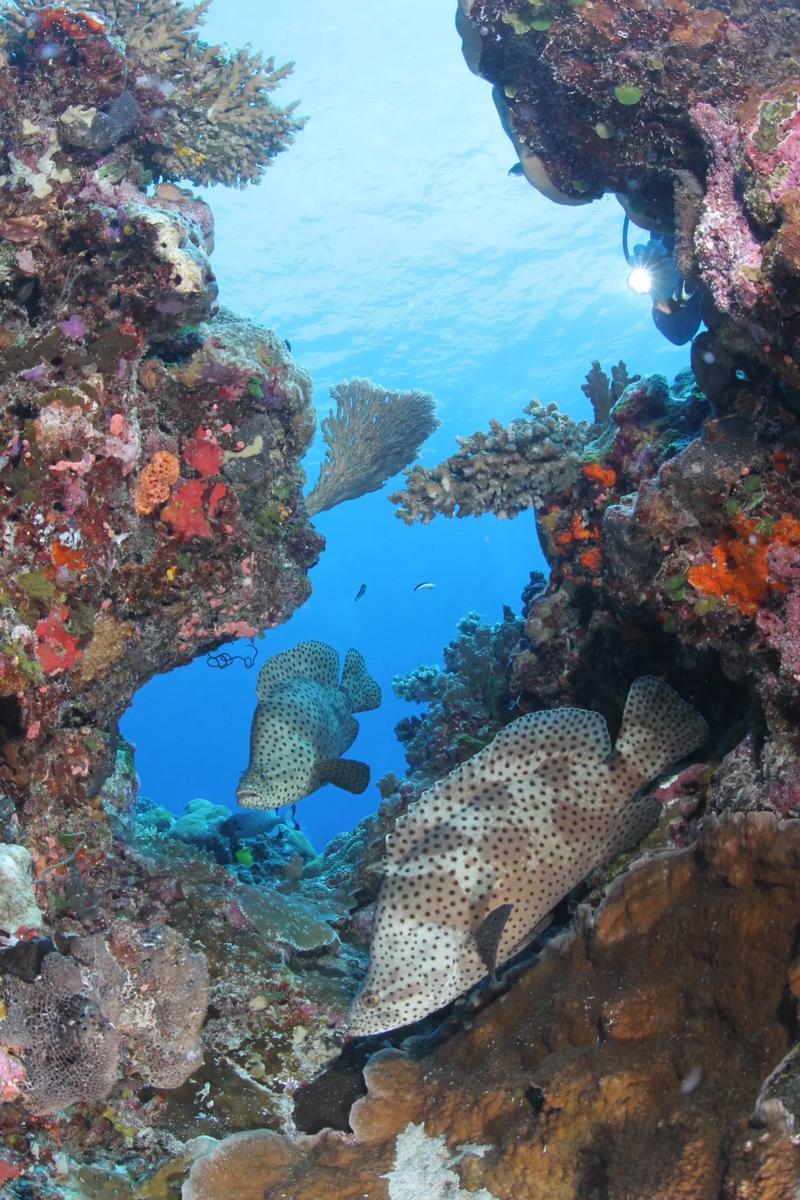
x,y
487,935
658,727
360,689
309,660
345,773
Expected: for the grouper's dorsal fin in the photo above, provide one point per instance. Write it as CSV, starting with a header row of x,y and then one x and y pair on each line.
x,y
524,749
316,661
345,773
658,728
360,689
488,934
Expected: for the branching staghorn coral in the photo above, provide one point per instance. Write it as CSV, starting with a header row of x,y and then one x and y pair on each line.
x,y
195,111
504,471
373,434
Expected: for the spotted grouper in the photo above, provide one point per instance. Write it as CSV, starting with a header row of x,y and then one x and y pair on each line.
x,y
303,723
478,862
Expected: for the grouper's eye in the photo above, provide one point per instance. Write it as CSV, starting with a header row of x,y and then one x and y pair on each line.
x,y
370,999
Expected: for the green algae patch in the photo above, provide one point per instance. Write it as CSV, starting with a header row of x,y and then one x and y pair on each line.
x,y
627,94
772,117
536,21
38,588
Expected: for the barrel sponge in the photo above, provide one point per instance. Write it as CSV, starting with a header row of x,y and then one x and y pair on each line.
x,y
18,906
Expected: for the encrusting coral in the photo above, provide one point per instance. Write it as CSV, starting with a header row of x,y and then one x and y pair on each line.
x,y
373,434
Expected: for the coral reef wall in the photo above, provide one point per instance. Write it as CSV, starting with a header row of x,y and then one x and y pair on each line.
x,y
688,112
149,478
151,503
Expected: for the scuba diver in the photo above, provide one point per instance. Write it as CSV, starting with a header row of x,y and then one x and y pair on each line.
x,y
676,304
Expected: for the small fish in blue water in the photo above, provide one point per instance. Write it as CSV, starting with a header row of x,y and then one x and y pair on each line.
x,y
516,169
361,591
424,587
304,723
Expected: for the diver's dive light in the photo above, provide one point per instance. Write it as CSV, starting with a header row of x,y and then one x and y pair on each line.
x,y
640,281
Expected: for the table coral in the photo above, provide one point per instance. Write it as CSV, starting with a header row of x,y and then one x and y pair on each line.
x,y
504,471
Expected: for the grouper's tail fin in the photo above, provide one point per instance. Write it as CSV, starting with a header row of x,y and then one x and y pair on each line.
x,y
658,728
359,687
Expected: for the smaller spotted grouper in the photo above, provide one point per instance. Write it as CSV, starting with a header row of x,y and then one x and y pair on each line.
x,y
303,723
477,863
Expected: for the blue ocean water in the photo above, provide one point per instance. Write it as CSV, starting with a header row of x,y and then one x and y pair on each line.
x,y
391,242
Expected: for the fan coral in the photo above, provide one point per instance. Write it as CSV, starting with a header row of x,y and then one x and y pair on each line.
x,y
505,471
373,435
191,110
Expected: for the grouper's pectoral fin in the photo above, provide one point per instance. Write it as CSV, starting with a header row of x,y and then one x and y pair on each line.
x,y
345,773
488,934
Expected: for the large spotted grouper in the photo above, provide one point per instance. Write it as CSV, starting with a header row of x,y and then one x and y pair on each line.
x,y
303,723
479,860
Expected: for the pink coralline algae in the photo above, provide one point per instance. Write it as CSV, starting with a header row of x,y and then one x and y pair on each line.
x,y
728,253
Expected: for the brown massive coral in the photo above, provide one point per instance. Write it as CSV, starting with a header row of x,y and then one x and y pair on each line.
x,y
628,1063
